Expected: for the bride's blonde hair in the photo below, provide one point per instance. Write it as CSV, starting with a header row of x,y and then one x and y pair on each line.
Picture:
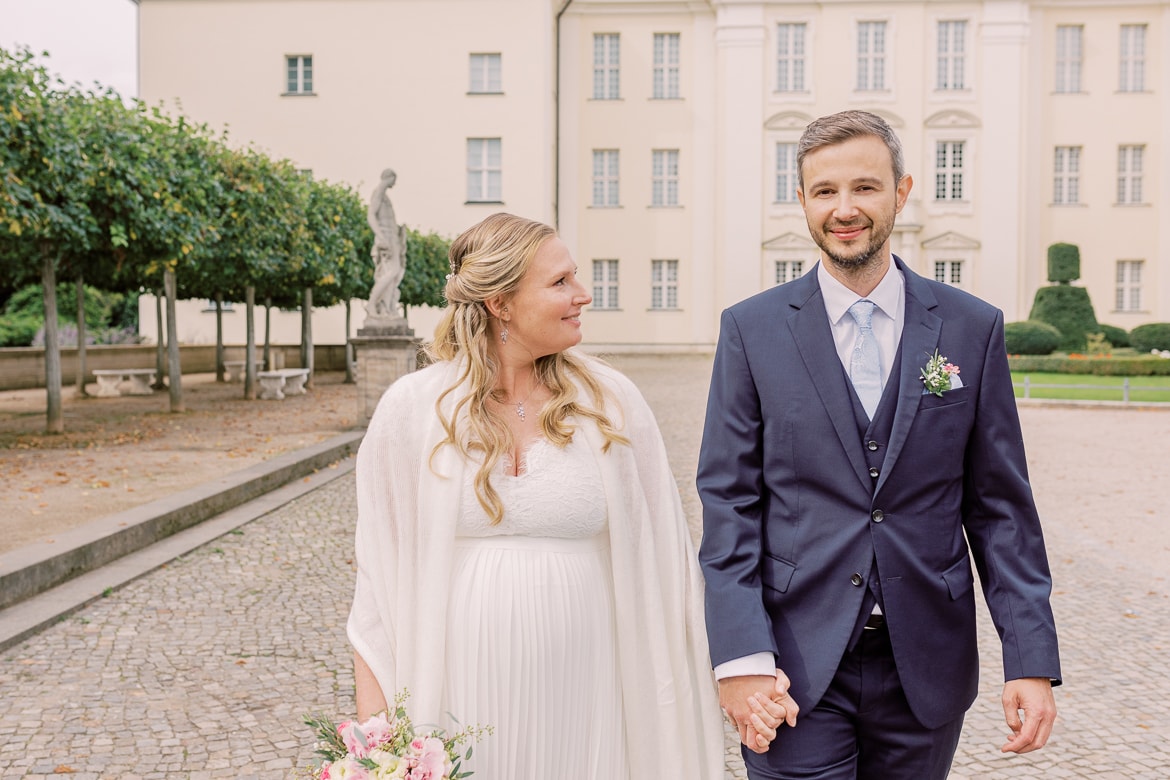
x,y
487,261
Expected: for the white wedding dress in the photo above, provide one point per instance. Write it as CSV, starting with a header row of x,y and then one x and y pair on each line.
x,y
530,634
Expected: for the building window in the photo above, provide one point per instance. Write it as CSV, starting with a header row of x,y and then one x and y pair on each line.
x,y
605,284
664,284
948,170
1066,176
605,177
484,173
790,57
787,177
664,178
1129,174
787,270
1133,58
666,65
949,272
1129,285
485,74
871,56
606,66
1068,57
952,55
299,68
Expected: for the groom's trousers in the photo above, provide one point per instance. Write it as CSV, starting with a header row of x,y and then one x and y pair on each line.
x,y
862,729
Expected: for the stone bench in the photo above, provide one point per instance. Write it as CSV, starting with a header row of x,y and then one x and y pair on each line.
x,y
110,379
275,384
235,369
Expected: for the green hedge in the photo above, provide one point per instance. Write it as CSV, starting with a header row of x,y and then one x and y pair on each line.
x,y
1103,365
1030,338
1069,310
1117,337
1153,335
1064,263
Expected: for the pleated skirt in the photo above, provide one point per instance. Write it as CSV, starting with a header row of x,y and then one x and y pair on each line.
x,y
531,652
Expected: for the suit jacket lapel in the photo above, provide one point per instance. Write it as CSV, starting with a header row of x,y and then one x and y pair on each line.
x,y
809,325
920,333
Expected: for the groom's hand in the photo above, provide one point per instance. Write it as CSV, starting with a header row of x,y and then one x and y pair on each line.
x,y
756,706
1033,697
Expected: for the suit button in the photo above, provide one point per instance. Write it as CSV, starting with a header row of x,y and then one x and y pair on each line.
x,y
871,445
873,472
856,579
878,515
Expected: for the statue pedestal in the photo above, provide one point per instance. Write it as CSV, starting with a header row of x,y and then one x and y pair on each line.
x,y
383,353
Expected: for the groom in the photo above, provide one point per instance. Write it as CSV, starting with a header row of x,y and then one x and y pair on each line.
x,y
845,496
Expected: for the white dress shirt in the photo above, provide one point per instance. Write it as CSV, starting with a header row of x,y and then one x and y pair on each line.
x,y
889,315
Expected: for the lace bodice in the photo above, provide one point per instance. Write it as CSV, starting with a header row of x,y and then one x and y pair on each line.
x,y
558,493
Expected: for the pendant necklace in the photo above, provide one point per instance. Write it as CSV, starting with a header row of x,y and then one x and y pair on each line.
x,y
520,411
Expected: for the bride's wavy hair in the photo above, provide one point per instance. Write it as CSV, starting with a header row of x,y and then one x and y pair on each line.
x,y
487,261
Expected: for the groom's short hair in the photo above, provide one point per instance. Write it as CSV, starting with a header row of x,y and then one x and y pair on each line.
x,y
840,127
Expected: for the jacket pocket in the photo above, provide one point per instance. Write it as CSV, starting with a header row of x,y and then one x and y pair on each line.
x,y
959,579
776,573
949,398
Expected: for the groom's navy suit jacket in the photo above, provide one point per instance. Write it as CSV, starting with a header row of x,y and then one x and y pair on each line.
x,y
795,523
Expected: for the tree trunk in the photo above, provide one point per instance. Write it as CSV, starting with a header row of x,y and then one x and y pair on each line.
x,y
174,369
54,420
160,363
307,334
250,344
219,337
268,330
81,336
349,377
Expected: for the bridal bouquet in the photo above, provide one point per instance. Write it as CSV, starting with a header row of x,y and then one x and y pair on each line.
x,y
386,746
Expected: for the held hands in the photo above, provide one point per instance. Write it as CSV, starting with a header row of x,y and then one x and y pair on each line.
x,y
1033,696
756,705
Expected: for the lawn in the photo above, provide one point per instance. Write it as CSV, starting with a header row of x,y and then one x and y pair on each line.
x,y
1089,387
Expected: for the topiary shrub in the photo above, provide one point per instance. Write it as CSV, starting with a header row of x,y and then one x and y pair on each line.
x,y
1064,263
1152,335
1069,310
1118,337
1030,338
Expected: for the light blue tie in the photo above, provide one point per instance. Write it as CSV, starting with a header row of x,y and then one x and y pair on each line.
x,y
865,368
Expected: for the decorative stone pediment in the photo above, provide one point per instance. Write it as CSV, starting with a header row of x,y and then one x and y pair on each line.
x,y
945,120
951,241
788,120
790,241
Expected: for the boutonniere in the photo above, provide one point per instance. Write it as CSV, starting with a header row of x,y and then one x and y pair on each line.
x,y
939,376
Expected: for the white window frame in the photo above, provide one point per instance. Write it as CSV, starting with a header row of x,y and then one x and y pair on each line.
x,y
664,178
485,170
872,58
951,61
485,73
1128,297
792,60
664,285
788,270
950,271
606,178
667,55
1130,161
787,175
946,172
1132,64
1070,53
298,74
1066,176
607,66
605,284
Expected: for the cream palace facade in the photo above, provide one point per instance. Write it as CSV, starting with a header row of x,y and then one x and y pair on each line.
x,y
659,135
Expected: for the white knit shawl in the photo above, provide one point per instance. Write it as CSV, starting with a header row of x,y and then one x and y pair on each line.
x,y
404,545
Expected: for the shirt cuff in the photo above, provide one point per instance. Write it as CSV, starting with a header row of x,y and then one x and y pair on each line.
x,y
755,664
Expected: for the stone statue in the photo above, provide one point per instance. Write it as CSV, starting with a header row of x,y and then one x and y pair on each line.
x,y
389,253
